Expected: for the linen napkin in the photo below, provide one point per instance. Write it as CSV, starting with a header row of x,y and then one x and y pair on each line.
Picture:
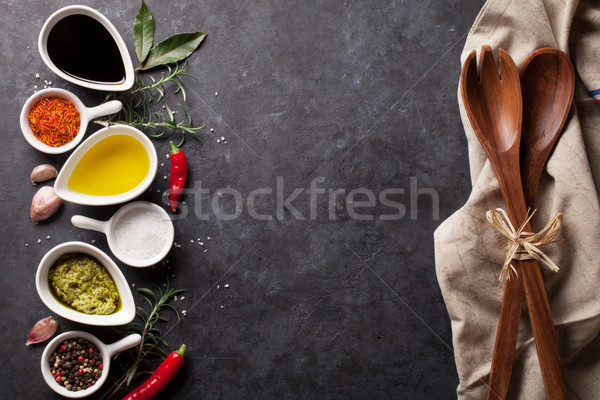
x,y
469,251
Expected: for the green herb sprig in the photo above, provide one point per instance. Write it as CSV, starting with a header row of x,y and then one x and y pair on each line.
x,y
136,110
136,361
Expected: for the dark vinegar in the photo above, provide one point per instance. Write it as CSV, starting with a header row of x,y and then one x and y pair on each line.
x,y
82,47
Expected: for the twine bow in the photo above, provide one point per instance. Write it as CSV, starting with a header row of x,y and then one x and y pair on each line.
x,y
524,245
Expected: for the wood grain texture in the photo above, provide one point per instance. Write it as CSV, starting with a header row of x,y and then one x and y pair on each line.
x,y
494,106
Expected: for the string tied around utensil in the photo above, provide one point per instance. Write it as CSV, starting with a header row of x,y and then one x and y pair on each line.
x,y
524,245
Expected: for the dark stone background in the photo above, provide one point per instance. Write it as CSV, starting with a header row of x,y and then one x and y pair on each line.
x,y
346,94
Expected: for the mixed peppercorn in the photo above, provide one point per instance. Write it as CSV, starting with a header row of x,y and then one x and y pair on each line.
x,y
76,364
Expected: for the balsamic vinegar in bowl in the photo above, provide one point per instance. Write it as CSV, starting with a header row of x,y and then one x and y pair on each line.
x,y
81,46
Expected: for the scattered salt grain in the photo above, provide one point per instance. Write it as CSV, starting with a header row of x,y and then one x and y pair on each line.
x,y
218,287
212,130
26,244
175,298
165,177
223,138
39,240
205,250
37,75
221,306
133,285
201,243
226,285
93,241
48,237
182,298
218,140
192,241
216,93
208,238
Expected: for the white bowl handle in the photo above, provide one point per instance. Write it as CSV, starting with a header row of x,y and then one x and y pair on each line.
x,y
127,342
89,223
110,107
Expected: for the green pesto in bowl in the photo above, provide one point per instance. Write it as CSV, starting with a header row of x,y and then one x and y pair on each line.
x,y
81,282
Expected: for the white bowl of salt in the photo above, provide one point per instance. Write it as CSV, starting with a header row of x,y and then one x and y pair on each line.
x,y
140,234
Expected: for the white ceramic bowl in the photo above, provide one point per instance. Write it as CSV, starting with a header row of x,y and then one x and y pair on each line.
x,y
90,12
123,316
146,239
85,114
107,351
61,185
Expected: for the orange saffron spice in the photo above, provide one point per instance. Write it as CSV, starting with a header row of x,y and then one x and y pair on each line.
x,y
54,121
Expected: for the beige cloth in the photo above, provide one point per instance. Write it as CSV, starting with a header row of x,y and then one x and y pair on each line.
x,y
469,252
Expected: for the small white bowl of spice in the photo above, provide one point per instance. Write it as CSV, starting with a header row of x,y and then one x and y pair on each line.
x,y
140,234
81,283
75,364
54,120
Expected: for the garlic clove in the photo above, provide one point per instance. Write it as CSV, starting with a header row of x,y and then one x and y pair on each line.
x,y
42,173
42,330
44,204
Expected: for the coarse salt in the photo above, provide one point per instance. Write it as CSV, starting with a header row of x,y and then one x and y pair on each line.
x,y
140,234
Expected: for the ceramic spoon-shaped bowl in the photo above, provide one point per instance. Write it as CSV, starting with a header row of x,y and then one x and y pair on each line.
x,y
106,351
124,314
140,234
110,33
66,192
85,116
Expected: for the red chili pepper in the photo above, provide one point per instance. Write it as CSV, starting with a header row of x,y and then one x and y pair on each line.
x,y
161,377
179,172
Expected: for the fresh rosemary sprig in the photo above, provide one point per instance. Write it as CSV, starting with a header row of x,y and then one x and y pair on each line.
x,y
135,361
137,112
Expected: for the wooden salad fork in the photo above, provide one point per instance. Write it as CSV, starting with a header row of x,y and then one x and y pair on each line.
x,y
547,85
494,106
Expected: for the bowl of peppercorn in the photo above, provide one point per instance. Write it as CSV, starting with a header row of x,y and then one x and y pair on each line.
x,y
55,120
75,364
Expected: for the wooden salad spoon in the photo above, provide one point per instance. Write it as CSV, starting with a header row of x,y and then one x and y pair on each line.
x,y
547,85
494,107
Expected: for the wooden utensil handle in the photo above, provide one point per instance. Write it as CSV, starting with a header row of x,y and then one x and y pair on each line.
x,y
535,292
506,341
543,329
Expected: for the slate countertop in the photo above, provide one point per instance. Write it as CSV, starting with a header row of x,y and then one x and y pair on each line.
x,y
344,151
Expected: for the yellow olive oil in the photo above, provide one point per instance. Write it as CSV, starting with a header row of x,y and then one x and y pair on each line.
x,y
114,165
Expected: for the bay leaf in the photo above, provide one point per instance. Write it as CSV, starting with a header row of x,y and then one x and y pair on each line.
x,y
174,48
143,32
